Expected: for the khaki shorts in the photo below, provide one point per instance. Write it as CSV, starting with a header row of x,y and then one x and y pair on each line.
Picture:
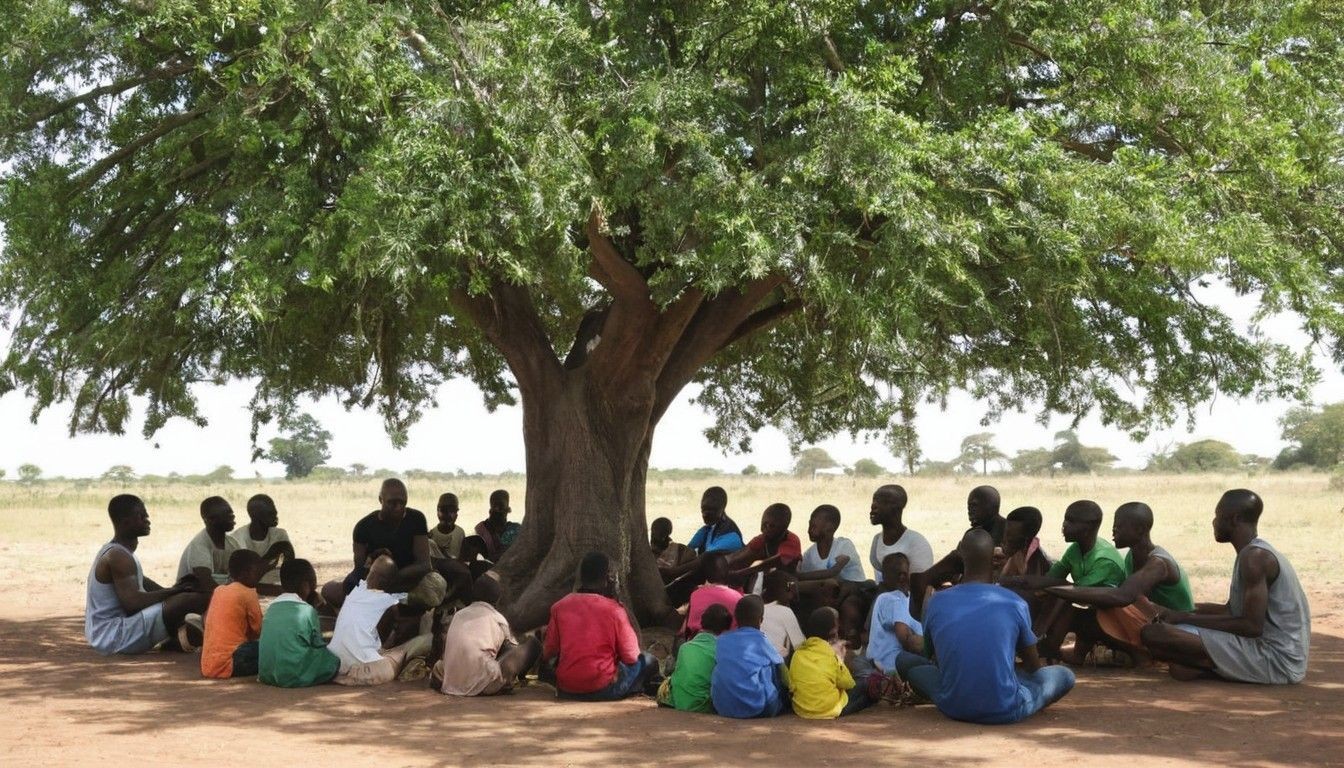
x,y
429,593
384,670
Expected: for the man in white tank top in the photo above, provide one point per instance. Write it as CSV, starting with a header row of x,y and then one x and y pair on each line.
x,y
124,611
1262,634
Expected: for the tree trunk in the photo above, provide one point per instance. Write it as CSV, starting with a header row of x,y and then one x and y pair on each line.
x,y
587,458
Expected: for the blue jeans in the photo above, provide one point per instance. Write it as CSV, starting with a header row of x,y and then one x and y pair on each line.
x,y
1035,690
630,679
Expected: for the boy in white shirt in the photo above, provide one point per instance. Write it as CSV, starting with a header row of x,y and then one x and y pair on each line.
x,y
356,641
780,624
831,572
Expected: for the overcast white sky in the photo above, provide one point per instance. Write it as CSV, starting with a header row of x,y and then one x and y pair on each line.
x,y
461,434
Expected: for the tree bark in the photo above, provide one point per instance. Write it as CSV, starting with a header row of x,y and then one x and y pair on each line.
x,y
587,458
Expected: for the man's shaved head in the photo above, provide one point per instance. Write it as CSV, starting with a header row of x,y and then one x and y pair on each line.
x,y
1244,504
1136,513
977,551
895,494
486,589
982,505
381,573
391,483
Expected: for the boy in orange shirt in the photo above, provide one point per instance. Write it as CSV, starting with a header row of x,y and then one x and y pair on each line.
x,y
233,622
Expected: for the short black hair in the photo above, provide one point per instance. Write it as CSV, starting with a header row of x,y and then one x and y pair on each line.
x,y
1029,517
241,560
1246,504
716,619
259,503
212,502
594,569
896,491
446,496
1085,507
749,611
499,498
717,494
122,506
661,522
821,622
293,573
781,511
830,512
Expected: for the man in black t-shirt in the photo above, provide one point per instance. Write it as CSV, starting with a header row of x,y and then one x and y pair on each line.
x,y
403,534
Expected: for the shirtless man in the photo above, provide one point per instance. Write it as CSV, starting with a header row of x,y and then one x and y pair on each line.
x,y
1262,634
1153,580
124,611
669,553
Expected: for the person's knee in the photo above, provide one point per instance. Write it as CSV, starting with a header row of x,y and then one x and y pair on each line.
x,y
1153,635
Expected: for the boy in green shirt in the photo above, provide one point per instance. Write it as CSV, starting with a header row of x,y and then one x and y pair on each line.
x,y
1088,562
293,653
687,688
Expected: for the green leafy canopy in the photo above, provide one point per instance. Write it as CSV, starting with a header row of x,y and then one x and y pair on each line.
x,y
1022,199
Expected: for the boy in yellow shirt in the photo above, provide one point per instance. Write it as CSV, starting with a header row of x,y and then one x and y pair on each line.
x,y
821,684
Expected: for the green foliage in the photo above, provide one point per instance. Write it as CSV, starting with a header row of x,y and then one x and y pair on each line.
x,y
979,449
1200,456
222,473
750,470
327,474
1024,200
29,473
119,473
1034,461
1072,456
807,462
1317,436
303,448
358,469
868,468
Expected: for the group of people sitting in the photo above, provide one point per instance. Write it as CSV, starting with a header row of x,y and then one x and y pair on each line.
x,y
764,627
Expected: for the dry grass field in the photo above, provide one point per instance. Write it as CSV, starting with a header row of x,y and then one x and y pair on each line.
x,y
65,705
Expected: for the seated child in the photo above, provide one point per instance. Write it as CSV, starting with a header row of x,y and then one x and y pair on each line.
x,y
821,685
749,678
892,628
233,621
670,554
688,687
714,590
780,623
480,655
356,640
292,651
831,572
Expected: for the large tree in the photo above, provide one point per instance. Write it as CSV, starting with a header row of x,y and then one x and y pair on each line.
x,y
822,213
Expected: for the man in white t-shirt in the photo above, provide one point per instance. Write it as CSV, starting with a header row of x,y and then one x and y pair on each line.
x,y
356,642
207,554
780,624
887,510
264,536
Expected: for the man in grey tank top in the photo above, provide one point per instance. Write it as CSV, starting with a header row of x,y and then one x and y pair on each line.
x,y
124,611
1263,633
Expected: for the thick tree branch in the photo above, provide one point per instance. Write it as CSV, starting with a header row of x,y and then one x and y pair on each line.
x,y
96,171
609,268
120,86
508,318
763,319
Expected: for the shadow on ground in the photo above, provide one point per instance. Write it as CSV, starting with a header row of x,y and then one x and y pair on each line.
x,y
67,704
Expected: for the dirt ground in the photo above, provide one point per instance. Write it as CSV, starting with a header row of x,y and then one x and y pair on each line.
x,y
65,705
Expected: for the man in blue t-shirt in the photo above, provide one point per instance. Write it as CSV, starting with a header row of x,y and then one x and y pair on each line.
x,y
718,534
975,631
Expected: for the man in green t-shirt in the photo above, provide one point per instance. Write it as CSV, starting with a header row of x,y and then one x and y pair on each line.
x,y
687,688
1153,579
1088,562
293,653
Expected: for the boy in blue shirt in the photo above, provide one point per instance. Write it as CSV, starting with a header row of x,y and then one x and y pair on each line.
x,y
750,679
975,631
